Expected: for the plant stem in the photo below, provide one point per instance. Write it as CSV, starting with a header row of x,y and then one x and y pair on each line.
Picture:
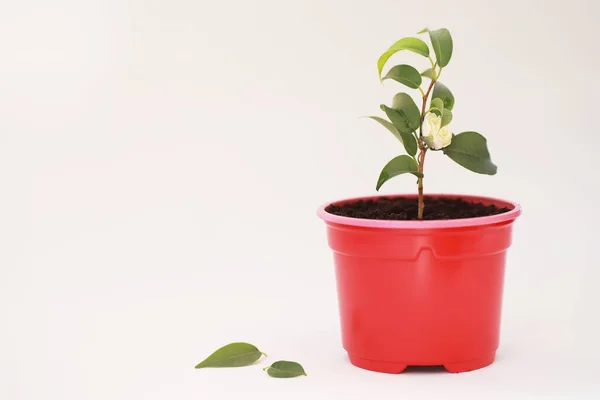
x,y
420,180
422,148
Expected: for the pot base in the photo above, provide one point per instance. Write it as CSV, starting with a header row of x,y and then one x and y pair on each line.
x,y
397,367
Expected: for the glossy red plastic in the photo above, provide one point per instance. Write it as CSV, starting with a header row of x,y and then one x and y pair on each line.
x,y
421,292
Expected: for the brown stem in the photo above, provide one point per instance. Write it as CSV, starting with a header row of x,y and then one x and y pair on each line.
x,y
422,149
420,180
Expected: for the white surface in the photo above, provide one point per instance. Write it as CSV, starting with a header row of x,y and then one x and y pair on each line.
x,y
161,163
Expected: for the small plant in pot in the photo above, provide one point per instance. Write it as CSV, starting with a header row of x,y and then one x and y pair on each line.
x,y
420,278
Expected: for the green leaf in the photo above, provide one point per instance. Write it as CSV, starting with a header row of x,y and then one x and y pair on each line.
x,y
406,117
428,73
469,149
442,92
399,119
408,43
446,117
232,355
410,143
437,106
437,103
423,31
406,75
390,127
405,104
441,41
400,165
285,369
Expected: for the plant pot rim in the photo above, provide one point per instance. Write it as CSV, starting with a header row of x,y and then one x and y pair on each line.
x,y
429,224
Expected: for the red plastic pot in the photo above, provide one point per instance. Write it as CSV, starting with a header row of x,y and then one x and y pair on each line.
x,y
421,292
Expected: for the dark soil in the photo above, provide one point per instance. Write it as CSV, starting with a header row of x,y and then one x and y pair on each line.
x,y
402,208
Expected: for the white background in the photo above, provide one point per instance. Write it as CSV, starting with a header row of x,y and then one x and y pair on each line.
x,y
161,163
